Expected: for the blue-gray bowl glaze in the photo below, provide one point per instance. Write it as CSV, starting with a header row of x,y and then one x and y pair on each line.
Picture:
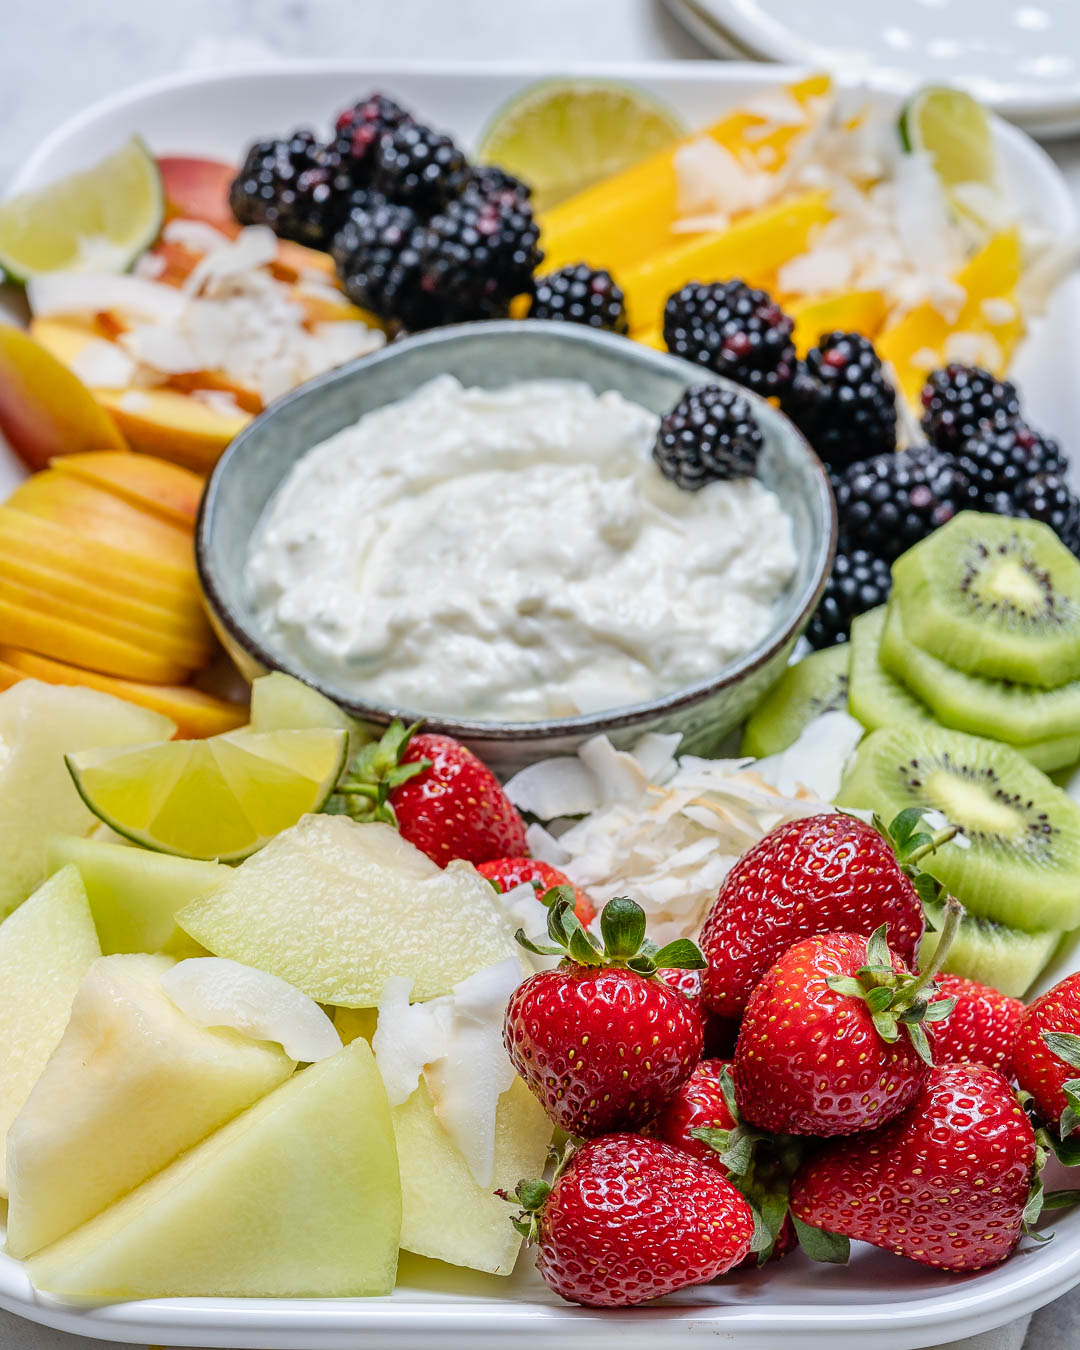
x,y
492,355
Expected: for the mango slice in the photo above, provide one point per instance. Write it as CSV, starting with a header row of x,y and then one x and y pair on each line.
x,y
155,485
172,425
849,312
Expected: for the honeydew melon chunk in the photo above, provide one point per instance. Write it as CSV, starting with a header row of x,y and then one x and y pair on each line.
x,y
445,1214
46,947
39,724
336,908
134,894
132,1084
297,1198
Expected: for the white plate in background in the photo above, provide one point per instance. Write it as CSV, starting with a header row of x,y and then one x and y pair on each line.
x,y
878,1299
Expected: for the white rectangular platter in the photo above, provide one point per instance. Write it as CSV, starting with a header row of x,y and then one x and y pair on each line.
x,y
877,1298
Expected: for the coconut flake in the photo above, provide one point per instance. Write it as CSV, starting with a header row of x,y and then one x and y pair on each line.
x,y
816,761
215,992
408,1037
554,787
103,365
711,181
70,294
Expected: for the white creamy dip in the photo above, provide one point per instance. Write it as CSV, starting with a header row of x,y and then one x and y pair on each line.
x,y
512,554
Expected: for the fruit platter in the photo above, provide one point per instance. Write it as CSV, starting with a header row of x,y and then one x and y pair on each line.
x,y
746,1003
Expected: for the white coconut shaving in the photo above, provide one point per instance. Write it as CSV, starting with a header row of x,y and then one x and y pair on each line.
x,y
215,992
231,316
455,1042
666,835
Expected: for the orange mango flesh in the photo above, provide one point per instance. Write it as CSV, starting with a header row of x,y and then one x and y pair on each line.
x,y
848,312
45,410
626,218
195,713
752,248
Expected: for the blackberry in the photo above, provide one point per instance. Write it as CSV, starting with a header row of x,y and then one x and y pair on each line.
x,y
733,330
1047,497
580,294
1002,460
418,167
490,180
711,433
476,255
859,581
842,402
296,186
889,502
376,256
960,401
359,130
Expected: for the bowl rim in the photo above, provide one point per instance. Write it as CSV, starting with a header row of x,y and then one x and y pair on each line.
x,y
582,725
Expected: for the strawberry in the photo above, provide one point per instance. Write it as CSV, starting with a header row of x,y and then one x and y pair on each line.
x,y
1046,1057
601,1040
442,798
703,1119
981,1027
630,1219
506,873
832,1041
948,1184
719,1032
821,874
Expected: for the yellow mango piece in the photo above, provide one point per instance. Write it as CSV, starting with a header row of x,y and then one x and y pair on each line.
x,y
621,221
851,312
992,274
751,248
651,337
173,425
66,640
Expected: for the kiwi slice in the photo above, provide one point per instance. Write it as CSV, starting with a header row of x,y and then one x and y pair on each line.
x,y
1019,861
1016,713
1007,958
994,596
874,697
817,684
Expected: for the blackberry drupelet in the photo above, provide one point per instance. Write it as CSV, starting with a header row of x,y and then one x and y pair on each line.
x,y
476,255
859,581
377,258
295,186
733,330
1047,497
960,401
490,180
842,402
889,502
418,167
580,294
710,434
359,130
1002,461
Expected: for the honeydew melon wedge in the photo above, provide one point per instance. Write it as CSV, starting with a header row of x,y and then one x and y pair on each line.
x,y
132,1084
297,1198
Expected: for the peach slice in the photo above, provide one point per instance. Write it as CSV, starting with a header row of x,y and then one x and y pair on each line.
x,y
185,652
196,714
294,260
87,510
45,410
78,644
173,426
100,560
155,485
198,189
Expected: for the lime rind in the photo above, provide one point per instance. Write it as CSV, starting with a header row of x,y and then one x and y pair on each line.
x,y
101,219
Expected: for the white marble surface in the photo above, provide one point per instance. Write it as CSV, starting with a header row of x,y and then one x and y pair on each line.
x,y
59,55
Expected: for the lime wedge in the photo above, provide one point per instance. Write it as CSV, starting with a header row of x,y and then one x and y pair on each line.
x,y
220,798
562,135
96,221
955,129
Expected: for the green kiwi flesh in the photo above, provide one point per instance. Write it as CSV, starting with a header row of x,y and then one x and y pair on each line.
x,y
1019,860
874,697
994,596
1016,713
817,684
1006,958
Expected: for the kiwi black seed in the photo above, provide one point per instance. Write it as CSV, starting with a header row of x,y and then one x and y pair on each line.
x,y
1018,862
817,684
996,597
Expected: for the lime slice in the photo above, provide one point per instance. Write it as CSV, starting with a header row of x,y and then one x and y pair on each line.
x,y
223,797
562,135
955,129
96,221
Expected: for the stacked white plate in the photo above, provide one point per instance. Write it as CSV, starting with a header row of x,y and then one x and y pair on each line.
x,y
1020,57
